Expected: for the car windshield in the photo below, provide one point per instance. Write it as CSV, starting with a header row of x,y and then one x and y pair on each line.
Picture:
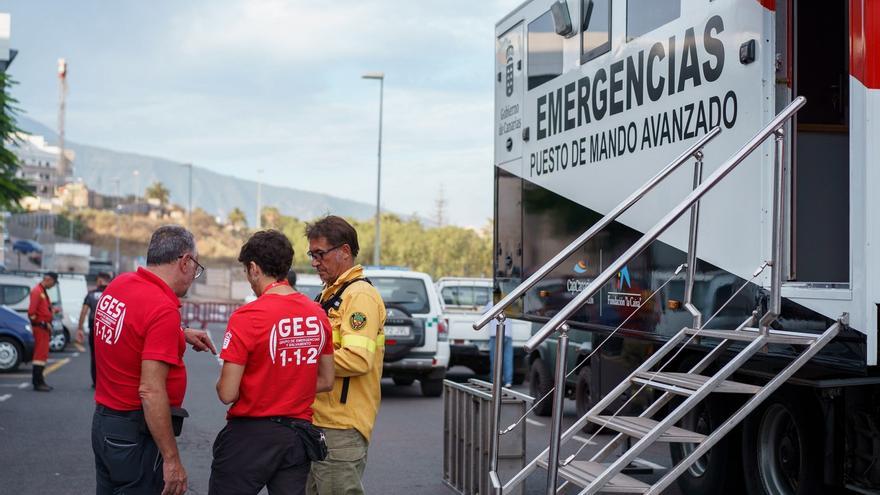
x,y
407,292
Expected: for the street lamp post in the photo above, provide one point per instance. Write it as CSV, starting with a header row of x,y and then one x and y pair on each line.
x,y
189,209
118,206
259,198
380,76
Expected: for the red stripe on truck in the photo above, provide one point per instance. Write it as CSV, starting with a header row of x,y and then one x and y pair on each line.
x,y
768,4
865,42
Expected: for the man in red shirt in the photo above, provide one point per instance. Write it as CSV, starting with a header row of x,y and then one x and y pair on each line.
x,y
139,346
277,352
40,312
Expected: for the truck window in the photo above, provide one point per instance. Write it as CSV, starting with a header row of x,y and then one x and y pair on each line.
x,y
643,16
545,51
466,296
407,292
595,28
14,294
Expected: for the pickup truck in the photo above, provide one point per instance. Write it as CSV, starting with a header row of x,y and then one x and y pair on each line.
x,y
464,299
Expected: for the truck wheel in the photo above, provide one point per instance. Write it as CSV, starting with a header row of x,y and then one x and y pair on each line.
x,y
10,355
431,387
403,381
540,383
717,472
782,448
583,398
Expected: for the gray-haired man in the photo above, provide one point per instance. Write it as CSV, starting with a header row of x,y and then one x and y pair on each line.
x,y
139,346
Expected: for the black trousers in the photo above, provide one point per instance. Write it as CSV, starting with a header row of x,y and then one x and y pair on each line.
x,y
127,460
250,453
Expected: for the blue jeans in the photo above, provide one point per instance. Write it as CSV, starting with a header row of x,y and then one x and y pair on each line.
x,y
506,362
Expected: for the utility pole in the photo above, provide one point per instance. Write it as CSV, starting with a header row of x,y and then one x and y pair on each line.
x,y
63,171
118,228
189,208
259,199
377,245
137,185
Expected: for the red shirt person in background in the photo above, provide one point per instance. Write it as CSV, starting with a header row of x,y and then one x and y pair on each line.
x,y
40,312
277,352
139,346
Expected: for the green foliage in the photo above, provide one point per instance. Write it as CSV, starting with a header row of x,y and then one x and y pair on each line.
x,y
70,224
237,219
159,192
443,251
12,188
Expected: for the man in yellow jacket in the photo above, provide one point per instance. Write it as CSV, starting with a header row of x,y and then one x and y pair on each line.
x,y
356,312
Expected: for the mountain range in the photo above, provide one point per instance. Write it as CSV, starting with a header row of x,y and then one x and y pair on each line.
x,y
215,193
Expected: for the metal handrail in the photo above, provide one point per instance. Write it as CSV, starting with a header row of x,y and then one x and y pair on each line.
x,y
560,318
618,210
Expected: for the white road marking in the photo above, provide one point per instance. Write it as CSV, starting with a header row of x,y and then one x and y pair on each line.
x,y
4,397
23,385
535,423
75,354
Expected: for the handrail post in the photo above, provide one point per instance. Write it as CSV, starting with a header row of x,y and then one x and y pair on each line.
x,y
497,384
692,246
558,404
774,308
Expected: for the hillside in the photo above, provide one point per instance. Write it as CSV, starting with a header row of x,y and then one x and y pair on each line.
x,y
215,193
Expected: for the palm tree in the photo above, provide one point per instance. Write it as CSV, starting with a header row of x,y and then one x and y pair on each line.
x,y
159,192
237,219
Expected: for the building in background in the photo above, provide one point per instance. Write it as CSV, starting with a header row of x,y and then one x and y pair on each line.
x,y
40,166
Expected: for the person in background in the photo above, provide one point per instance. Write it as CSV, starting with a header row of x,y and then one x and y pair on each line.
x,y
40,314
141,376
90,304
507,357
277,354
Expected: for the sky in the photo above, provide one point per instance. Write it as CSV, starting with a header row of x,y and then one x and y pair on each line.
x,y
238,86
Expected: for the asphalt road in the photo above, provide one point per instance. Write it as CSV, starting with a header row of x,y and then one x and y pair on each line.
x,y
45,445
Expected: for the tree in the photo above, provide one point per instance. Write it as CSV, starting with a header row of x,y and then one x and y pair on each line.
x,y
159,192
237,219
12,188
270,217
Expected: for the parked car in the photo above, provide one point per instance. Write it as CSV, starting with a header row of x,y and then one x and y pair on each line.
x,y
16,340
68,294
464,300
309,285
416,341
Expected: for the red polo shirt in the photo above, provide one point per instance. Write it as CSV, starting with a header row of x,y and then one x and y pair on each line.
x,y
279,340
137,319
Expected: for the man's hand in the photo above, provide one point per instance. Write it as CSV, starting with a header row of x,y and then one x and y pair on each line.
x,y
80,335
199,340
56,310
175,477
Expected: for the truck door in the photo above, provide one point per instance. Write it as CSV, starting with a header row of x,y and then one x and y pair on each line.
x,y
820,178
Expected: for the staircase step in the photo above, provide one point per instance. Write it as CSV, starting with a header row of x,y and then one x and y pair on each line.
x,y
582,473
687,383
750,334
639,427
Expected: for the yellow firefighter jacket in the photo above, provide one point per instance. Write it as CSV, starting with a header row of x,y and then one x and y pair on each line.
x,y
359,348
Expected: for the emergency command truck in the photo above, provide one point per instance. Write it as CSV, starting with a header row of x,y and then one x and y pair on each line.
x,y
700,180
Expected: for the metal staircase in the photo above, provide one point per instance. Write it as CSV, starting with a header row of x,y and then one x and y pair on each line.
x,y
677,393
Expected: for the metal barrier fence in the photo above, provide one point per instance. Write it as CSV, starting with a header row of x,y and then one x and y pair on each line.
x,y
203,313
467,427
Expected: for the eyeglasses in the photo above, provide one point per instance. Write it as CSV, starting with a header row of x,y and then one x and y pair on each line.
x,y
319,255
199,268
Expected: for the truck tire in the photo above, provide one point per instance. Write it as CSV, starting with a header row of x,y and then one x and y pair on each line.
x,y
540,383
583,398
10,355
783,448
431,387
720,470
58,342
403,381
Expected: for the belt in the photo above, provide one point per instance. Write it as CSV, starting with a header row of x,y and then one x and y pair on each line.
x,y
137,413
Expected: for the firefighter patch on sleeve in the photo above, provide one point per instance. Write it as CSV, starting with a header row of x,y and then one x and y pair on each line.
x,y
358,320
